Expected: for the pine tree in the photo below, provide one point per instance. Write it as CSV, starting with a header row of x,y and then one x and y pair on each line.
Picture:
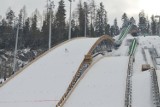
x,y
142,22
10,15
153,25
116,27
133,20
81,19
24,15
112,30
34,32
125,20
20,36
26,33
60,21
3,29
74,29
101,20
107,29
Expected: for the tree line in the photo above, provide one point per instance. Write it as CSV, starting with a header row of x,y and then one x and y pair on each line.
x,y
34,30
34,35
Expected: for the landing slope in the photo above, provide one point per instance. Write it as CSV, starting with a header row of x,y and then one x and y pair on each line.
x,y
102,86
43,83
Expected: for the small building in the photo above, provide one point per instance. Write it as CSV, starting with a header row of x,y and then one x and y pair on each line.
x,y
145,67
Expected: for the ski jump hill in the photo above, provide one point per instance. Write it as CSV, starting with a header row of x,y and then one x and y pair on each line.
x,y
89,72
44,81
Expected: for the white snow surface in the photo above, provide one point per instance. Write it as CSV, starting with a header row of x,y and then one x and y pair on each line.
x,y
43,83
103,85
149,41
141,81
158,77
142,90
148,57
139,61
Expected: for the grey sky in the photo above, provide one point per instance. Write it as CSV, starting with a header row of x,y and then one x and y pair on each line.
x,y
115,8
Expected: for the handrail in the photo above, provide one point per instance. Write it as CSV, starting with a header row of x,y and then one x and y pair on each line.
x,y
84,65
125,32
132,47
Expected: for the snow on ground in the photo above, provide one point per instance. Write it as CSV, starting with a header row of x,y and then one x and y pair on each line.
x,y
148,57
1,80
158,77
141,81
139,60
149,41
44,82
145,43
141,90
103,85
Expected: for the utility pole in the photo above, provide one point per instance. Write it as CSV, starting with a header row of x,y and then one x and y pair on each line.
x,y
51,5
16,44
85,28
158,16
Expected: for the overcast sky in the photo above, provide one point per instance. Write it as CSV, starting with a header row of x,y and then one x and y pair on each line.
x,y
115,8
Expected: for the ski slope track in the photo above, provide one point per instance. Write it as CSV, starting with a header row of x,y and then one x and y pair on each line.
x,y
45,80
102,86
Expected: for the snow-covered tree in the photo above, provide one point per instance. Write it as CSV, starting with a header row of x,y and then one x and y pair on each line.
x,y
125,20
142,22
116,31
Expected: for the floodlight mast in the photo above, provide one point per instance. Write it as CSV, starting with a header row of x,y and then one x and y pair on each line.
x,y
50,22
69,35
85,28
16,44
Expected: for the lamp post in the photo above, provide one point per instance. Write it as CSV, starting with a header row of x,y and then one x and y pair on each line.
x,y
50,22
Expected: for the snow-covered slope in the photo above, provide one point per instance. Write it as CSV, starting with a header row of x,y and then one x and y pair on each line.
x,y
142,90
44,82
102,86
